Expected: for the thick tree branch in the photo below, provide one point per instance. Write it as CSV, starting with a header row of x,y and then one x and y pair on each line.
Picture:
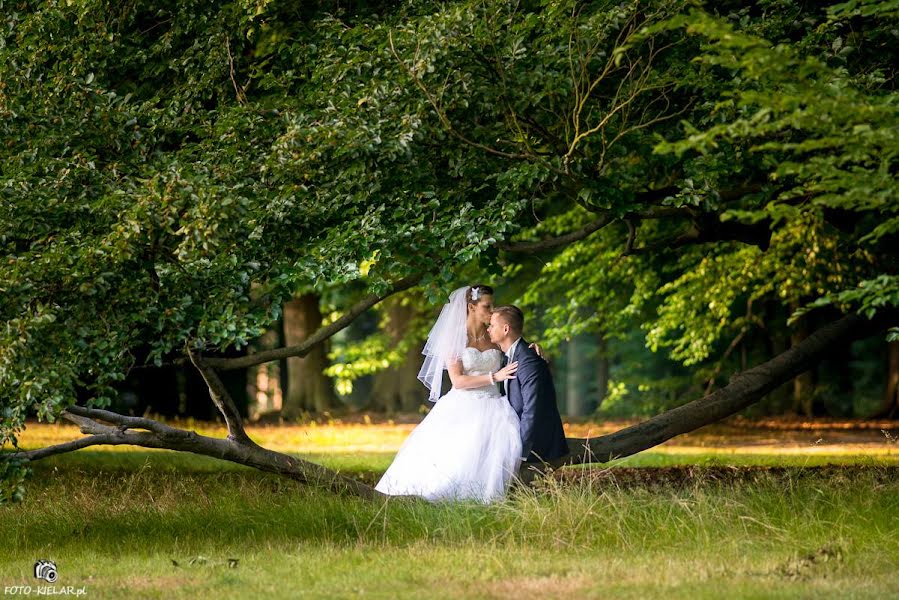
x,y
74,413
557,242
743,390
161,436
605,218
710,228
319,336
705,227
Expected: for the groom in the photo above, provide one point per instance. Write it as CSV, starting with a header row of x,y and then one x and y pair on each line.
x,y
530,392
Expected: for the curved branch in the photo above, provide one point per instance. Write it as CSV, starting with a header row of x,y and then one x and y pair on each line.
x,y
238,89
124,421
631,235
319,336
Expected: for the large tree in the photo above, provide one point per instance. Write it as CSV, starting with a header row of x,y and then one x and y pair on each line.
x,y
172,172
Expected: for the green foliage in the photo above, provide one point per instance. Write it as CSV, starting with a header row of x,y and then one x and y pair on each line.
x,y
866,299
714,296
172,171
588,286
13,472
800,110
825,131
165,184
175,170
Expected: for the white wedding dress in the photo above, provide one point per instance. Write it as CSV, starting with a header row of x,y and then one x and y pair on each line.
x,y
467,447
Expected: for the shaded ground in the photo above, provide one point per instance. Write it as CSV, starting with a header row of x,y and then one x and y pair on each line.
x,y
785,430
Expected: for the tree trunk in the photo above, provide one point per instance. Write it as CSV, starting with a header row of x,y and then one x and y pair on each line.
x,y
397,388
264,381
890,407
574,400
804,383
602,368
308,389
777,341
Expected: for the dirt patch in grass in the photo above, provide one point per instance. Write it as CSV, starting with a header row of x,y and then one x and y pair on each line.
x,y
523,588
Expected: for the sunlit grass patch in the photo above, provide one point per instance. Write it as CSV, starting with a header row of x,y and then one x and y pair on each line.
x,y
336,437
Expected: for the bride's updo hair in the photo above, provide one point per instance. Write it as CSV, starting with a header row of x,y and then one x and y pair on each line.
x,y
474,292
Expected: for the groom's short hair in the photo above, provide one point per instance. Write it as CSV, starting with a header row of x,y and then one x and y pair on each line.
x,y
513,317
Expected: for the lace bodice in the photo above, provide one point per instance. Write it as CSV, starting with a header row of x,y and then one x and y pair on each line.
x,y
476,362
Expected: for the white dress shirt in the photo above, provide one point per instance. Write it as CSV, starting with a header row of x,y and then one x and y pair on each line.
x,y
511,351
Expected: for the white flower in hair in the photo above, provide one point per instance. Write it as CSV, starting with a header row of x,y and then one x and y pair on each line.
x,y
475,293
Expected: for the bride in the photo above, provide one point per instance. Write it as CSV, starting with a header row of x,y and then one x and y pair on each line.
x,y
468,446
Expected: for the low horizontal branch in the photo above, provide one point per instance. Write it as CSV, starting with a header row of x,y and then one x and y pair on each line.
x,y
124,421
160,436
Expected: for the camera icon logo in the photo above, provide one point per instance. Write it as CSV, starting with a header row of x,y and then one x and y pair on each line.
x,y
46,570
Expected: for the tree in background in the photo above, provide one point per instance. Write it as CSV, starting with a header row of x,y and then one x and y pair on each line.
x,y
309,389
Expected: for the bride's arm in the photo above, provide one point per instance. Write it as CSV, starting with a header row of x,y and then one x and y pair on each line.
x,y
461,382
539,350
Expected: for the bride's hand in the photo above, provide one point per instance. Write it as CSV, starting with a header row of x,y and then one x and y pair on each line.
x,y
507,372
536,348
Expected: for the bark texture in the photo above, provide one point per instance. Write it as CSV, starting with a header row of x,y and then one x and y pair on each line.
x,y
603,368
804,384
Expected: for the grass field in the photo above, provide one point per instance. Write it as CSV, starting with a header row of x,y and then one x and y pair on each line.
x,y
699,518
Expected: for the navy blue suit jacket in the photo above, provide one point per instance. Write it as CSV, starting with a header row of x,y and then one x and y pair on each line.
x,y
533,397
